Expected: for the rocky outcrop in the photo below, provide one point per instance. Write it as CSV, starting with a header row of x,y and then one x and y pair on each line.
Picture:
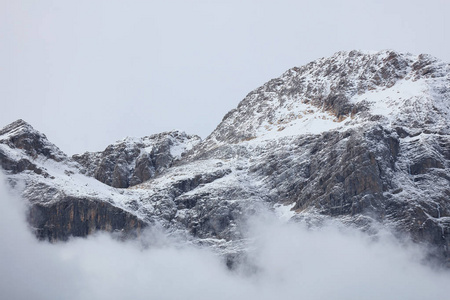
x,y
332,85
19,136
74,217
133,161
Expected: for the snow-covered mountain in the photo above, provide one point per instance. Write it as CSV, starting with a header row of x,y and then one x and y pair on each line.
x,y
342,92
135,160
359,138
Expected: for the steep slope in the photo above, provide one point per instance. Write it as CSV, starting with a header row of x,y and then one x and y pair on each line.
x,y
133,161
20,138
359,138
63,202
342,91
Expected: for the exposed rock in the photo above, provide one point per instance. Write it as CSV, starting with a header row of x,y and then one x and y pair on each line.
x,y
133,161
360,138
20,135
79,218
332,85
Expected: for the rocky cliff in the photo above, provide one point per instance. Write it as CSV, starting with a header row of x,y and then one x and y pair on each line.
x,y
359,138
133,161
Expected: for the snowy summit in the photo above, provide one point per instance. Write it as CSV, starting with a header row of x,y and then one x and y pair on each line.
x,y
359,138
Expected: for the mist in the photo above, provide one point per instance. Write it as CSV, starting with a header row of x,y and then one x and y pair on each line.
x,y
285,261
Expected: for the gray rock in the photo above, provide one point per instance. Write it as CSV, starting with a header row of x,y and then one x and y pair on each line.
x,y
133,161
79,218
372,166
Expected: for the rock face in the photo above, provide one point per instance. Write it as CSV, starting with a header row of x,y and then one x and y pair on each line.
x,y
20,136
133,161
80,217
340,88
360,138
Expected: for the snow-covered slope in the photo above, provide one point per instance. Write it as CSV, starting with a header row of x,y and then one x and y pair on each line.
x,y
343,91
359,138
135,160
49,175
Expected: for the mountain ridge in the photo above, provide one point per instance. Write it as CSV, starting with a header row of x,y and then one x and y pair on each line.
x,y
359,138
325,84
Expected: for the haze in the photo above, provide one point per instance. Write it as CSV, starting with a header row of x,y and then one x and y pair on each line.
x,y
87,73
287,262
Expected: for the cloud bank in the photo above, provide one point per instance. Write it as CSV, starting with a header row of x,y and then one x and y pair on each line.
x,y
288,262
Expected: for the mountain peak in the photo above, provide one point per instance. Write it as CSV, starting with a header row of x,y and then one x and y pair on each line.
x,y
131,161
347,89
16,127
359,138
21,135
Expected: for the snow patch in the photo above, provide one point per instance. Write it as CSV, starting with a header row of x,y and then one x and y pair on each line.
x,y
284,211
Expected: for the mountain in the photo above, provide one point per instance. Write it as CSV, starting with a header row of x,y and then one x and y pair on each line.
x,y
359,138
133,161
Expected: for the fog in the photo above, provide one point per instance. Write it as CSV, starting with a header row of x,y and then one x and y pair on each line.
x,y
287,262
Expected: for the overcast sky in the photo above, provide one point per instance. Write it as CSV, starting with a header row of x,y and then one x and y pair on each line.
x,y
87,73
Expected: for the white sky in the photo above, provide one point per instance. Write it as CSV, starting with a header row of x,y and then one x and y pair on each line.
x,y
87,73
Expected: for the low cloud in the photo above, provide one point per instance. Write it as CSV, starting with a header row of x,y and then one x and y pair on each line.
x,y
286,261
